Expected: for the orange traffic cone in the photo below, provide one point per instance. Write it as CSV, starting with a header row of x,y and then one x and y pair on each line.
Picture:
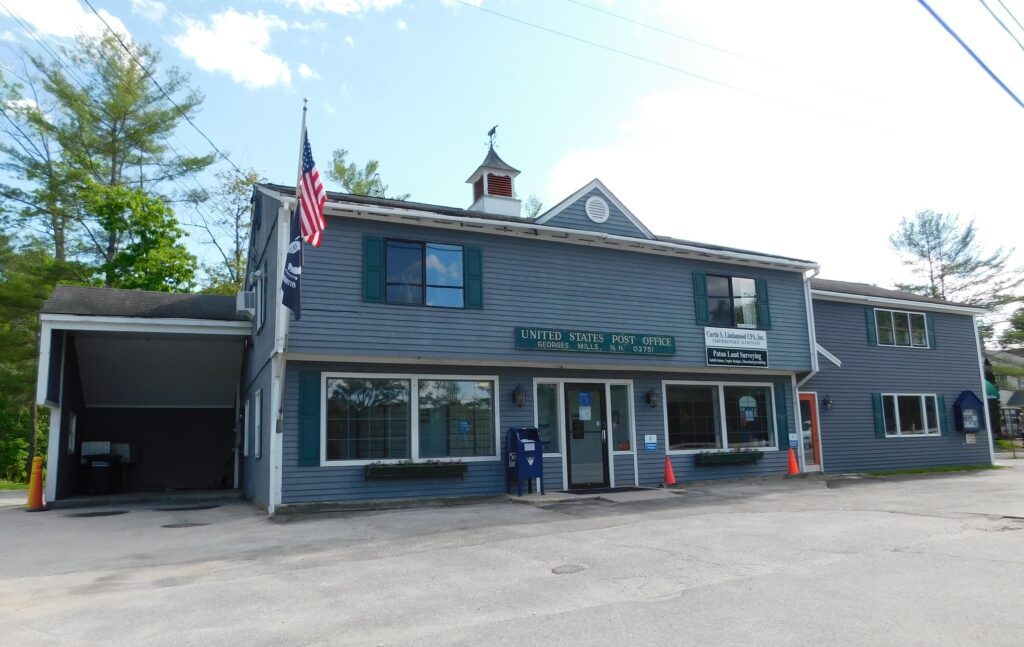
x,y
35,487
793,467
670,476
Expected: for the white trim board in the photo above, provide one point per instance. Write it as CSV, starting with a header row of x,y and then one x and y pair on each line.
x,y
721,412
147,325
885,302
829,356
590,186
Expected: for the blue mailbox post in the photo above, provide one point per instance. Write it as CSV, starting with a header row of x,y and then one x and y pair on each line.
x,y
524,458
970,413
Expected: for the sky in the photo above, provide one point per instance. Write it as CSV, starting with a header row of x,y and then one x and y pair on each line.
x,y
795,127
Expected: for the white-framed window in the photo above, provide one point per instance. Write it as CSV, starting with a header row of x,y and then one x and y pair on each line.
x,y
72,432
368,418
261,298
910,414
901,328
702,416
257,426
549,413
245,428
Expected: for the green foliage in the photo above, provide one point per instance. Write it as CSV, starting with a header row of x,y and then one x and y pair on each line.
x,y
532,206
950,264
146,251
1013,336
359,181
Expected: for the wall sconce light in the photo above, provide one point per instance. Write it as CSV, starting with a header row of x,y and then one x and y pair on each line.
x,y
826,403
519,396
652,399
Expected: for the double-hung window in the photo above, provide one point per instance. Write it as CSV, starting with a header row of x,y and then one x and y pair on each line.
x,y
371,418
719,416
731,301
898,328
910,415
257,426
424,274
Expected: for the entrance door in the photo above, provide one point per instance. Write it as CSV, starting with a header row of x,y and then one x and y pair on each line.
x,y
586,433
812,443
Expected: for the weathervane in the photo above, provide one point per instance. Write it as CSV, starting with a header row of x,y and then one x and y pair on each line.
x,y
491,134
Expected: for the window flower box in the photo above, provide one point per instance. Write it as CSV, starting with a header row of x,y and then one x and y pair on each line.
x,y
709,459
389,471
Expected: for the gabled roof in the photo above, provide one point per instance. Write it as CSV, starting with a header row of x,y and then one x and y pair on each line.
x,y
584,190
112,302
867,290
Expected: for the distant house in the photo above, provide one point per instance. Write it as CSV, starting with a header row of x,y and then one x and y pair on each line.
x,y
1008,370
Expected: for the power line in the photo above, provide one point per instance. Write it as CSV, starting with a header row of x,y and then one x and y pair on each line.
x,y
657,63
970,51
1007,9
162,91
1002,24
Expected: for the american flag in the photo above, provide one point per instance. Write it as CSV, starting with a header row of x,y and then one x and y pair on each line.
x,y
311,197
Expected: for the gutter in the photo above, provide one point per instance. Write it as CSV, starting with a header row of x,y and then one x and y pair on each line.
x,y
826,295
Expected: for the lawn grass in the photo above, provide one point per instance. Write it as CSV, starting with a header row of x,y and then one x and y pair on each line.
x,y
12,485
942,469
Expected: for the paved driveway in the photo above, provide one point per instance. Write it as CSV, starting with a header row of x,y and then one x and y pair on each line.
x,y
927,561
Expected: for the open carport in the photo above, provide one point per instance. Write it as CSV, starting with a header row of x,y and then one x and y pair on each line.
x,y
142,391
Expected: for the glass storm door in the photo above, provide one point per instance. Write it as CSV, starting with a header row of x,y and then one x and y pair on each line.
x,y
586,433
809,433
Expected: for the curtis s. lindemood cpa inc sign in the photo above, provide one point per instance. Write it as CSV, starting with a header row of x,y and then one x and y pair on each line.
x,y
593,341
736,347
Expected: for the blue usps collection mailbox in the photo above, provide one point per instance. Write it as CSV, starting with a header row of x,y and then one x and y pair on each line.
x,y
524,458
970,414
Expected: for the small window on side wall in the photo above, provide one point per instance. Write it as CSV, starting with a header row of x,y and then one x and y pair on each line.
x,y
257,426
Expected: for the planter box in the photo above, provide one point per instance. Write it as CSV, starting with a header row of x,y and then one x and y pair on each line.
x,y
417,471
727,458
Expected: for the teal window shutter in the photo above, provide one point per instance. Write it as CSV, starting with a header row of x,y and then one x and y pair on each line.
x,y
309,419
929,322
869,319
781,417
474,273
876,401
943,415
700,297
373,269
764,315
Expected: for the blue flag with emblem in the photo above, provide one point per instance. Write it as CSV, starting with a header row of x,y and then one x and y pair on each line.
x,y
291,290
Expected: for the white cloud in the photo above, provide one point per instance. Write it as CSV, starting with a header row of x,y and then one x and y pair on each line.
x,y
329,109
401,25
315,25
456,5
8,37
351,42
63,18
236,43
153,10
307,72
341,7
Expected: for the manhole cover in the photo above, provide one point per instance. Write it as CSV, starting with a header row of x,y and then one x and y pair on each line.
x,y
189,508
184,525
99,513
567,569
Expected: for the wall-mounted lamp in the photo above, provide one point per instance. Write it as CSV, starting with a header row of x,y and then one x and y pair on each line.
x,y
652,399
826,403
519,396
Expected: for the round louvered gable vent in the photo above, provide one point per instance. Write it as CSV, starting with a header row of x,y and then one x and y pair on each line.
x,y
597,209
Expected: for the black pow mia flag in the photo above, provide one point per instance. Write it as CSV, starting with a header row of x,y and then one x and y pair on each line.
x,y
291,291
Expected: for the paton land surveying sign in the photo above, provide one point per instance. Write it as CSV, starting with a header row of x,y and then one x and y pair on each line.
x,y
736,347
592,341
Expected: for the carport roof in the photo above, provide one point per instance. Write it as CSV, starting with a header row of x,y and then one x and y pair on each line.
x,y
111,302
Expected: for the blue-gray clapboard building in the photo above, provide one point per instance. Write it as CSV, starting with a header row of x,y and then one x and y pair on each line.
x,y
428,331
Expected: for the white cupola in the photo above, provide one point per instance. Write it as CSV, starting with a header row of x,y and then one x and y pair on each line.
x,y
493,186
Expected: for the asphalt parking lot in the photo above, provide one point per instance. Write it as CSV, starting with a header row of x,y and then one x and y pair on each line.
x,y
936,560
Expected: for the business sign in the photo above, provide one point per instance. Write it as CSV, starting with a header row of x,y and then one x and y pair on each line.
x,y
736,347
591,341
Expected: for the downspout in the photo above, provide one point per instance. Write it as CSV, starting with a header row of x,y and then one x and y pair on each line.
x,y
984,391
813,341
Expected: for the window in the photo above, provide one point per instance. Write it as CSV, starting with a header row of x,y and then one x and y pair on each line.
x,y
261,298
910,415
72,432
548,417
622,428
257,426
371,418
424,274
897,328
456,418
719,416
245,428
732,301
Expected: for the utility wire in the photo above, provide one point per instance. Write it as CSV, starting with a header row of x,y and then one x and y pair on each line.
x,y
1002,24
1007,9
970,51
657,63
162,91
